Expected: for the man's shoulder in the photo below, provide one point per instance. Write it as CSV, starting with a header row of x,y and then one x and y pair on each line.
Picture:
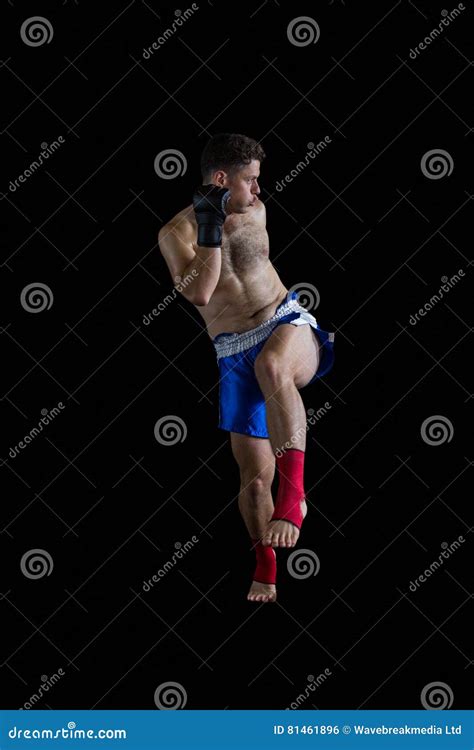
x,y
183,223
184,217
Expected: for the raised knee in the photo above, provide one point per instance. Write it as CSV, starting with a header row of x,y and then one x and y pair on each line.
x,y
270,370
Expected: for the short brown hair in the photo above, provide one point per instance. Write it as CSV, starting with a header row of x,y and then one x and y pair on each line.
x,y
230,152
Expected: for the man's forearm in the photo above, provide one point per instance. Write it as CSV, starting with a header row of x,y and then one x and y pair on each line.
x,y
205,268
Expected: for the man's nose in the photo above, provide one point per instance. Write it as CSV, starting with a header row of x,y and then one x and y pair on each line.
x,y
256,189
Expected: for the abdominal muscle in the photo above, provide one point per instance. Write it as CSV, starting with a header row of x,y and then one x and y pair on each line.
x,y
242,302
249,289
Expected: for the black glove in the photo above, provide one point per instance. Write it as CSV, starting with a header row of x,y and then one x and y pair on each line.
x,y
209,208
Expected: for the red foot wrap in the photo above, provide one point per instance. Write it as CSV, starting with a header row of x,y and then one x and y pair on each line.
x,y
290,493
265,572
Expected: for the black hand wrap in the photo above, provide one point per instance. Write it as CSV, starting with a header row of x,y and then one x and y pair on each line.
x,y
209,208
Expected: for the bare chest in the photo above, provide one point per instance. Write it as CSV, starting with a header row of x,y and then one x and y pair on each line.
x,y
245,245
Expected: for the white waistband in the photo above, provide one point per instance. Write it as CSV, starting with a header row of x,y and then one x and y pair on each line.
x,y
233,343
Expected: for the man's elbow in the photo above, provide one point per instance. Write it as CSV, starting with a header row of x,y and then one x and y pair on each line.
x,y
198,298
162,234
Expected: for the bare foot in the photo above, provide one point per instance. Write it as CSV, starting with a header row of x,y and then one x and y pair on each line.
x,y
262,592
283,533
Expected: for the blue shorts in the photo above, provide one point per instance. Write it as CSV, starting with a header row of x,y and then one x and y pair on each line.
x,y
241,401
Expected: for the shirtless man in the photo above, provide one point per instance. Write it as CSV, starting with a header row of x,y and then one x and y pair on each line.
x,y
267,345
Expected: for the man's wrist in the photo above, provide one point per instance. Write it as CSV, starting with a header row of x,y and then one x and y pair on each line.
x,y
209,235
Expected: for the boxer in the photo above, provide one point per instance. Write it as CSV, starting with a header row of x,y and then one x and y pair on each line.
x,y
268,347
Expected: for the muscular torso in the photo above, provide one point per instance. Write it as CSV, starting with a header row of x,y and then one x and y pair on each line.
x,y
249,288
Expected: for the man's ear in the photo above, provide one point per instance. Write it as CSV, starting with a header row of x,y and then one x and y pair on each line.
x,y
220,177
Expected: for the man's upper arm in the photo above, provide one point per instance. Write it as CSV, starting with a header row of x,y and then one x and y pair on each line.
x,y
176,241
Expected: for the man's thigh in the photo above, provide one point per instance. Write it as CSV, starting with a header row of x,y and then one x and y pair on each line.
x,y
297,348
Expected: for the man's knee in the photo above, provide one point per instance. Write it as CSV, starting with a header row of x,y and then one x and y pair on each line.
x,y
271,370
255,488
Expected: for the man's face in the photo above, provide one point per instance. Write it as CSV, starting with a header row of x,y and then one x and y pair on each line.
x,y
243,186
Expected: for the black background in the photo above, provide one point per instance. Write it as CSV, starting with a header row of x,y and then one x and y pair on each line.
x,y
362,224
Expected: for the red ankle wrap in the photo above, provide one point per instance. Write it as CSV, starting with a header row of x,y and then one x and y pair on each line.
x,y
290,493
265,572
